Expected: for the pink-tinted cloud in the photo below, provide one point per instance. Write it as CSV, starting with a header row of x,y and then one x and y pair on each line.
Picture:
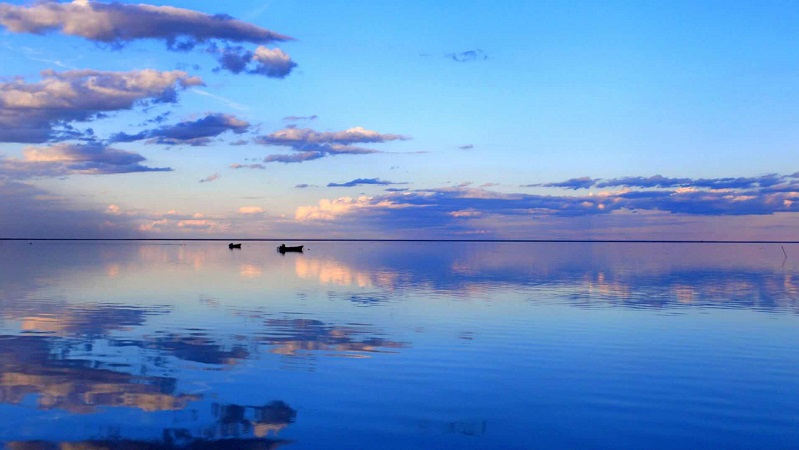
x,y
251,210
210,178
73,159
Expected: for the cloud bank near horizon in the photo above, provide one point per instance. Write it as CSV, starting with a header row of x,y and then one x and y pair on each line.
x,y
458,209
659,181
463,211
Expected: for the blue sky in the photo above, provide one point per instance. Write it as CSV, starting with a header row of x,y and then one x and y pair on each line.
x,y
473,119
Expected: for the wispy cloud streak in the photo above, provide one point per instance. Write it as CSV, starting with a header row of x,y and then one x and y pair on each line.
x,y
364,181
468,56
313,144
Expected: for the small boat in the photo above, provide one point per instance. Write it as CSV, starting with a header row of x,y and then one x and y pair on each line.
x,y
283,248
232,246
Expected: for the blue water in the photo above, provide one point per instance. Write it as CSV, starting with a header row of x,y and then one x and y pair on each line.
x,y
398,345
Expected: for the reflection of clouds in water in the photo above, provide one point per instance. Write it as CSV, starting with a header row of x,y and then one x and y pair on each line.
x,y
174,254
329,271
41,367
250,271
296,337
583,274
196,347
112,270
88,320
362,298
165,444
749,290
28,366
234,427
262,421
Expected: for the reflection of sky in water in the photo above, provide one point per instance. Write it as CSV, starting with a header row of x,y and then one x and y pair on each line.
x,y
414,345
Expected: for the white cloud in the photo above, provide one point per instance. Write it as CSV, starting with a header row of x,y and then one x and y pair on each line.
x,y
331,209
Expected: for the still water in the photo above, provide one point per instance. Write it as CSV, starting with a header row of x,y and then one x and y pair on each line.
x,y
155,345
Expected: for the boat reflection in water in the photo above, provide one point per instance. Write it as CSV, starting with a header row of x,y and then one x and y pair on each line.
x,y
397,345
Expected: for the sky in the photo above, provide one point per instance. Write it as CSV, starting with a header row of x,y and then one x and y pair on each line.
x,y
472,119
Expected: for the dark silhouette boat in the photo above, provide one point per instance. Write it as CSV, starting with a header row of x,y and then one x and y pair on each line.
x,y
232,246
283,248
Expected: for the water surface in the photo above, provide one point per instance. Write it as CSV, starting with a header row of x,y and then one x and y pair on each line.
x,y
399,345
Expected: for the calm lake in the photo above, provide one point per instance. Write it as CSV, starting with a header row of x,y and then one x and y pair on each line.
x,y
154,345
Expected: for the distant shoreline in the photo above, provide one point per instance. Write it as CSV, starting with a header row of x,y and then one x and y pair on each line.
x,y
588,241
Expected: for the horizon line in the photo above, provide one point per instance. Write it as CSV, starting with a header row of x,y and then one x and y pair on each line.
x,y
630,241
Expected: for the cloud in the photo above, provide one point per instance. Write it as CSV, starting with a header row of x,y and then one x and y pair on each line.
x,y
574,183
364,181
710,183
251,210
195,133
247,166
331,209
468,56
299,118
297,137
294,158
182,30
174,222
464,209
69,159
314,144
38,112
273,63
30,212
233,59
118,23
659,181
210,178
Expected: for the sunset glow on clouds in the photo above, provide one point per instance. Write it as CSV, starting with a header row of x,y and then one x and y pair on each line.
x,y
113,112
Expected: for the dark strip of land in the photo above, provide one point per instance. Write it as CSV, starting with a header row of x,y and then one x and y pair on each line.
x,y
626,241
